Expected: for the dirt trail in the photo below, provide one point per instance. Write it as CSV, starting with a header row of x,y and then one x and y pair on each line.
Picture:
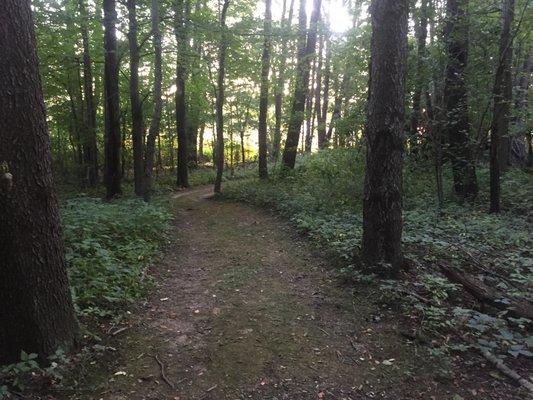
x,y
245,309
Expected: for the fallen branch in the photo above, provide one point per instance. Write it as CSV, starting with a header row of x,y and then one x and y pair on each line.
x,y
163,375
506,370
487,295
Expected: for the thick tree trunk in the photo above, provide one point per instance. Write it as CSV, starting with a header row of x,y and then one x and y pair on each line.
x,y
181,17
421,36
280,86
503,93
90,150
306,52
220,98
153,132
382,203
36,310
457,123
113,175
263,99
137,120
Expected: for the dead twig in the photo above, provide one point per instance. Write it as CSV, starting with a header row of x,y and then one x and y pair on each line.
x,y
163,375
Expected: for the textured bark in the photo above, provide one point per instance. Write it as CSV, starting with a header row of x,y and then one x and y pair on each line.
x,y
421,36
36,311
457,125
181,17
137,120
280,86
90,150
263,99
306,52
382,203
220,98
153,132
113,175
502,97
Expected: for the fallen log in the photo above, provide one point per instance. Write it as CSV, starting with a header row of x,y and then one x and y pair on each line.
x,y
486,295
498,364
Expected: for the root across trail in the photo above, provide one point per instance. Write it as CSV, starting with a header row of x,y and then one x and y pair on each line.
x,y
245,308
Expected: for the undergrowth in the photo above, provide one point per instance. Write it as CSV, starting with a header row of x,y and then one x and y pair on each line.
x,y
108,249
323,197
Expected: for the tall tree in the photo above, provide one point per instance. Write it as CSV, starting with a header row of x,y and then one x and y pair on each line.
x,y
382,202
220,97
181,17
280,84
90,150
503,94
306,52
137,119
421,36
457,124
113,175
519,153
153,132
36,311
322,109
263,97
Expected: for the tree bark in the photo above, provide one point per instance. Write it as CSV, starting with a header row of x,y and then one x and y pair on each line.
x,y
457,125
181,17
90,151
220,98
153,132
137,119
36,312
263,99
113,174
382,203
280,86
306,52
502,97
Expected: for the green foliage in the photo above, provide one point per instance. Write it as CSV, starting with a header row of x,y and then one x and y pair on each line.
x,y
108,249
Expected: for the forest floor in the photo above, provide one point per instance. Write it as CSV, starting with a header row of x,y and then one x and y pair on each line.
x,y
246,308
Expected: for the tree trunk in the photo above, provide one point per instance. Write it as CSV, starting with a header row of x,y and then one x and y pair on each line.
x,y
457,125
503,93
306,52
181,17
280,86
322,109
263,99
90,151
382,203
37,314
113,174
153,132
201,142
137,122
421,36
518,152
220,98
310,110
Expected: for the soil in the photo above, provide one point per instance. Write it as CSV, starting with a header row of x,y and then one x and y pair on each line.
x,y
245,308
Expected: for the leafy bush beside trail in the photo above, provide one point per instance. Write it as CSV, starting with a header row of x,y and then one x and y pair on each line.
x,y
108,249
